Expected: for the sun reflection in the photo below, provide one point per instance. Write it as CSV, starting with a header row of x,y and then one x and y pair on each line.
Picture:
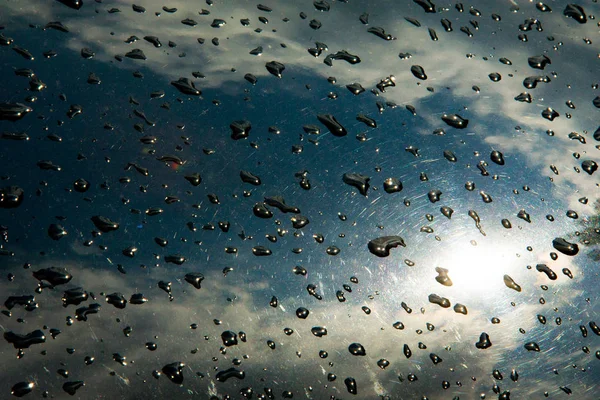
x,y
477,269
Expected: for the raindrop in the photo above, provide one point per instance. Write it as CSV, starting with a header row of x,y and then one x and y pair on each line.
x,y
441,301
418,72
484,342
532,346
455,121
381,246
511,284
575,12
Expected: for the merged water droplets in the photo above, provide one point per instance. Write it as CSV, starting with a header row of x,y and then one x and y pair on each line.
x,y
455,121
72,387
13,111
380,32
381,246
23,341
565,247
186,86
275,68
174,371
342,55
434,195
443,277
240,129
440,301
539,62
576,12
392,185
332,124
104,224
359,181
351,385
21,389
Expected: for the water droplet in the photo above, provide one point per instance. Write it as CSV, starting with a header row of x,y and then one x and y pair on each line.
x,y
484,342
351,385
435,358
440,301
418,72
381,246
443,277
72,387
455,121
460,309
539,62
532,346
332,124
511,284
575,12
570,249
357,349
275,68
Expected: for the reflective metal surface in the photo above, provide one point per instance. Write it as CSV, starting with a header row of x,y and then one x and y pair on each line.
x,y
147,149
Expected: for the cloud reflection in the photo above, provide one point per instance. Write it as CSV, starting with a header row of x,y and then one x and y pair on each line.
x,y
476,263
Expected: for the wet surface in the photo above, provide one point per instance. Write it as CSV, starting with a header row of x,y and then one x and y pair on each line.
x,y
316,200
